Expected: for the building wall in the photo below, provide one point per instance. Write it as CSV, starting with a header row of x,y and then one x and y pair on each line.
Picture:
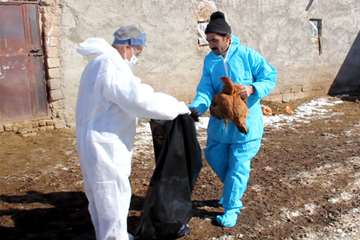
x,y
172,60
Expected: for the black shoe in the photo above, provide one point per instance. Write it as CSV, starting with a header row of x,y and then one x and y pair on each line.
x,y
184,230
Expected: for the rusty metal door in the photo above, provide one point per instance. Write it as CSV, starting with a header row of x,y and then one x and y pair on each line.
x,y
22,79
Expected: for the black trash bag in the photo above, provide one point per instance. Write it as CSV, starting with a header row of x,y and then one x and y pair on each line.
x,y
167,206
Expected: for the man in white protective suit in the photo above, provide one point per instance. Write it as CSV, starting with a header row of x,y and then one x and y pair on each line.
x,y
110,100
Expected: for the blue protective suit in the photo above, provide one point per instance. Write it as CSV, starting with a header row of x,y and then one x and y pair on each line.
x,y
228,151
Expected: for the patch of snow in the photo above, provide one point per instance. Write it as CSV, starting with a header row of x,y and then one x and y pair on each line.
x,y
143,143
228,237
344,196
287,214
320,174
257,188
346,228
268,169
310,208
143,135
315,109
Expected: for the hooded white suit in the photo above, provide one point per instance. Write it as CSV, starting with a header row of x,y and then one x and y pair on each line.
x,y
110,99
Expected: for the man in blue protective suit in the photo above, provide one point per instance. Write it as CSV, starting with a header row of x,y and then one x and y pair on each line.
x,y
228,151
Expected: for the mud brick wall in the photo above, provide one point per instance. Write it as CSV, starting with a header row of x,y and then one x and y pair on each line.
x,y
172,61
50,11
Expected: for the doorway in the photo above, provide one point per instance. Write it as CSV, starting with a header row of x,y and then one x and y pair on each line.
x,y
23,92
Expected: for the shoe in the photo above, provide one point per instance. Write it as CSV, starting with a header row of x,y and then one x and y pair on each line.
x,y
228,219
184,230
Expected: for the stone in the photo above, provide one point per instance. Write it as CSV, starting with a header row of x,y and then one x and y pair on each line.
x,y
52,41
59,124
32,134
53,62
42,123
54,83
54,73
42,129
50,127
49,123
56,95
57,105
2,129
26,124
8,127
52,52
46,128
25,130
45,2
16,127
52,31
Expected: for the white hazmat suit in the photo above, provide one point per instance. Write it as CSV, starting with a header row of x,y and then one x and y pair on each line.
x,y
110,99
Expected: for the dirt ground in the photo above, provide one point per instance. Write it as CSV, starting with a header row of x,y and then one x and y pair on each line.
x,y
305,184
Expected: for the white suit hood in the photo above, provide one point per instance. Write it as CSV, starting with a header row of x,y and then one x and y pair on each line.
x,y
94,46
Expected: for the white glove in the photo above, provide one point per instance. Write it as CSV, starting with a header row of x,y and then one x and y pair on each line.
x,y
183,108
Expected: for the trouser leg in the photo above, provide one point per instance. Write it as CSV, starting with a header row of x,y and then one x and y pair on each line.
x,y
238,172
91,207
109,203
237,176
112,201
216,154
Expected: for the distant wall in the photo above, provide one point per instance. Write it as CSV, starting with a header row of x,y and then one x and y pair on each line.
x,y
172,61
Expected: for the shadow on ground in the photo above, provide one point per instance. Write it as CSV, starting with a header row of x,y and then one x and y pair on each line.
x,y
57,215
64,215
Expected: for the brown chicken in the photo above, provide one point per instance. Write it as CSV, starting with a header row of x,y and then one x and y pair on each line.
x,y
228,105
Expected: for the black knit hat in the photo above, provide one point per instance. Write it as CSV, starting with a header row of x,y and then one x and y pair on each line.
x,y
218,24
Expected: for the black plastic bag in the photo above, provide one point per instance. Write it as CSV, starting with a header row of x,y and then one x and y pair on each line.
x,y
167,206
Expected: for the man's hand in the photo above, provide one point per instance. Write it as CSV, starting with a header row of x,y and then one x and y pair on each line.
x,y
249,90
246,91
194,114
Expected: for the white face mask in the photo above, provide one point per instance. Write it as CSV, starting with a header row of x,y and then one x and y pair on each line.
x,y
133,60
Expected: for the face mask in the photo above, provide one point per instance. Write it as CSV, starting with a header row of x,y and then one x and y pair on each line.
x,y
133,60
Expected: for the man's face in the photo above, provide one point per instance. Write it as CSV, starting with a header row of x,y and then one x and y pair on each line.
x,y
217,43
127,51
